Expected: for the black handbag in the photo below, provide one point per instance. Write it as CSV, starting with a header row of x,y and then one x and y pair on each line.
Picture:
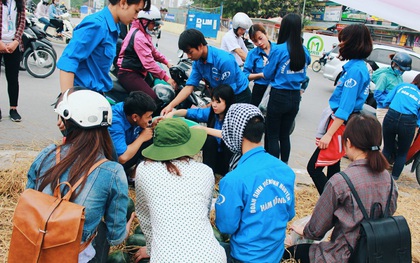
x,y
383,239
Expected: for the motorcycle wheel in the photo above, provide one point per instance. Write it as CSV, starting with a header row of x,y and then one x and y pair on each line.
x,y
418,173
44,66
316,66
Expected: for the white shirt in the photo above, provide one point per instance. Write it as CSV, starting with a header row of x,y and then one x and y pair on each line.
x,y
8,22
230,42
41,10
174,212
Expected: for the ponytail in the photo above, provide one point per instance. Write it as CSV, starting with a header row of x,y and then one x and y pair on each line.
x,y
377,161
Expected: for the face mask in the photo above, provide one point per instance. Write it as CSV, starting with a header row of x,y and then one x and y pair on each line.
x,y
398,72
150,32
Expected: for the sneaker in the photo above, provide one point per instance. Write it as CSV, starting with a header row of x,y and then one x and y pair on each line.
x,y
14,115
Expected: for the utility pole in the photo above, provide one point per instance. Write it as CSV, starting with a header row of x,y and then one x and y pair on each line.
x,y
303,11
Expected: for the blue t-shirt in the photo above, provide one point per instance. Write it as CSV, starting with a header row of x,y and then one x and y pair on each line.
x,y
121,131
219,68
255,63
91,51
255,203
351,90
203,115
278,69
405,98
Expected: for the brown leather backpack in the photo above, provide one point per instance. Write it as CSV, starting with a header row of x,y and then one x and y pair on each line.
x,y
48,228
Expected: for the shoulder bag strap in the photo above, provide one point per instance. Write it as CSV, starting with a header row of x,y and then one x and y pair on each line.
x,y
356,196
388,202
94,166
67,196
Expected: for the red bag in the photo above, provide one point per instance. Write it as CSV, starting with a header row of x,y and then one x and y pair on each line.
x,y
335,150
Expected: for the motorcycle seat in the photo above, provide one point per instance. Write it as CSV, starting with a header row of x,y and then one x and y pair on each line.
x,y
116,86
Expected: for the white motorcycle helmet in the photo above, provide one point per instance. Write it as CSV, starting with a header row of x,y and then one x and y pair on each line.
x,y
164,92
152,15
86,108
241,20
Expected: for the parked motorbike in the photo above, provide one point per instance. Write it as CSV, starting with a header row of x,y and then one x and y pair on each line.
x,y
200,97
413,156
39,57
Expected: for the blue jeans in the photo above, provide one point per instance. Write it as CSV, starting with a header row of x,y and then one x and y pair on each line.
x,y
44,21
401,125
282,109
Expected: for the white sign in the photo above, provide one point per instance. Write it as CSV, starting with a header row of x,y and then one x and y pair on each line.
x,y
317,44
332,13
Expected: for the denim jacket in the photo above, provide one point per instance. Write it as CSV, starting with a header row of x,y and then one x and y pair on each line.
x,y
105,194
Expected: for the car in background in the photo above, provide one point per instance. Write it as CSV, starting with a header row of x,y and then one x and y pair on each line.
x,y
380,55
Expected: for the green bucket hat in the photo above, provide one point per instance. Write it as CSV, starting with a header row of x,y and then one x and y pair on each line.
x,y
173,139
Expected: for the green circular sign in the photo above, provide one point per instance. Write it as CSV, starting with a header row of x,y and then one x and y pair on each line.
x,y
316,44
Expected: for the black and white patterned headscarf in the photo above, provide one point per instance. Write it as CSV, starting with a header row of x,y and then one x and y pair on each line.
x,y
233,128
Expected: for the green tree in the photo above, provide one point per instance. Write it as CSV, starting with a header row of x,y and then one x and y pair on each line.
x,y
231,7
258,8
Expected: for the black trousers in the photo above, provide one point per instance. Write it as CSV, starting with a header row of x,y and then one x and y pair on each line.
x,y
218,161
11,65
299,252
101,245
317,174
57,23
257,94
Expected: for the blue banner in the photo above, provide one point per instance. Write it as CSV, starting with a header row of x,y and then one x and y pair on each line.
x,y
207,23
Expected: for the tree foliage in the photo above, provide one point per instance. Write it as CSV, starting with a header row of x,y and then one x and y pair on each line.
x,y
258,8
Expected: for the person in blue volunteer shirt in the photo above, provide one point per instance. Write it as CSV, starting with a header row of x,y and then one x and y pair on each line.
x,y
387,78
256,198
131,130
402,120
256,60
215,152
214,65
87,59
286,70
348,97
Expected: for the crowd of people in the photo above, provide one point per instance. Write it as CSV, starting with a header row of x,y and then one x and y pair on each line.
x,y
155,155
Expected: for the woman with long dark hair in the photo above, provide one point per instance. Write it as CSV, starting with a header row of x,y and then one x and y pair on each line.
x,y
286,70
104,192
11,29
336,207
348,98
215,152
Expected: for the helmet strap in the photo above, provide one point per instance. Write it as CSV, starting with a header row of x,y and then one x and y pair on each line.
x,y
65,132
235,30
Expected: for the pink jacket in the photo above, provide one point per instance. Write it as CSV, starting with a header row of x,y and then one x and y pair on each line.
x,y
146,52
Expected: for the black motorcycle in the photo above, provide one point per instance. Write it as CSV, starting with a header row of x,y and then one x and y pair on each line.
x,y
200,97
39,57
319,63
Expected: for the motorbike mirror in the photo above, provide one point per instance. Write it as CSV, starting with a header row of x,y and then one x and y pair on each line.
x,y
180,53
